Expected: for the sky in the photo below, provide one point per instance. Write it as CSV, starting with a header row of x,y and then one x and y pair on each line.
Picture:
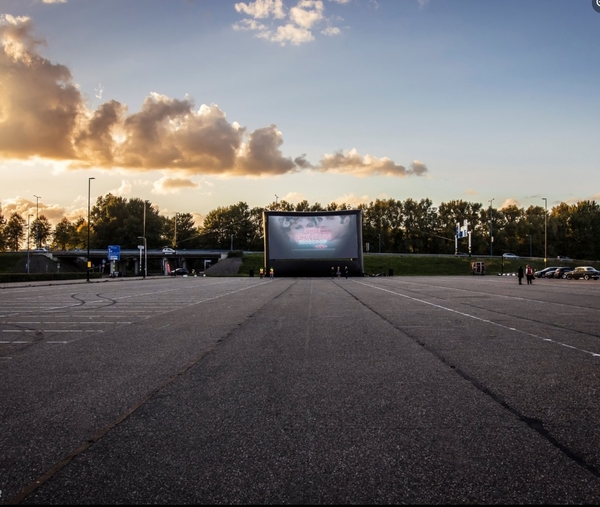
x,y
197,104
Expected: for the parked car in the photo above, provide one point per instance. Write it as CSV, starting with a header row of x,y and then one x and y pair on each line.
x,y
564,258
510,256
167,250
461,254
585,272
543,272
559,272
41,250
180,271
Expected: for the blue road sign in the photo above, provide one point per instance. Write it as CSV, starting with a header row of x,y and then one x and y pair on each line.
x,y
114,252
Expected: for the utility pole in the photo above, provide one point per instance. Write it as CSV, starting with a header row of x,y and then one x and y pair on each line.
x,y
545,229
491,230
37,225
175,234
28,217
89,264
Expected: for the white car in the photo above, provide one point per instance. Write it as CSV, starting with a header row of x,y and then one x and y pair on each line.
x,y
510,256
167,250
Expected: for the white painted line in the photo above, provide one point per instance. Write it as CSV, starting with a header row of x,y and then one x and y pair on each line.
x,y
594,354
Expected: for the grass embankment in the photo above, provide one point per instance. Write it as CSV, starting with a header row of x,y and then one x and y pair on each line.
x,y
406,265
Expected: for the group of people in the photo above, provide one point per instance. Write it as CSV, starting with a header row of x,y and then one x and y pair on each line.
x,y
528,274
338,273
271,273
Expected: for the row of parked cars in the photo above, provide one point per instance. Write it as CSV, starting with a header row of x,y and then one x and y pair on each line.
x,y
578,273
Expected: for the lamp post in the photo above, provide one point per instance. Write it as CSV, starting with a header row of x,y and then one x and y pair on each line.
x,y
37,242
491,230
88,230
545,229
175,233
145,255
28,217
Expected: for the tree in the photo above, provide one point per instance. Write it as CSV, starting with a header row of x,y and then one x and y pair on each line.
x,y
42,230
65,235
3,243
117,221
14,231
585,230
179,229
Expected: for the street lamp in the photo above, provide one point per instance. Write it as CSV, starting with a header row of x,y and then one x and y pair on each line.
x,y
145,255
491,230
88,230
28,217
545,229
175,234
37,225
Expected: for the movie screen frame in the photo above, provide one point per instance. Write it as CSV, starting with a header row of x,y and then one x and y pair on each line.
x,y
312,242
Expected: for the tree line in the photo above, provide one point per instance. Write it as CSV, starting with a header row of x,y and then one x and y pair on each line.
x,y
389,226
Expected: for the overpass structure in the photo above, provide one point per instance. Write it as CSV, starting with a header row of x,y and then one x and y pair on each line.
x,y
132,261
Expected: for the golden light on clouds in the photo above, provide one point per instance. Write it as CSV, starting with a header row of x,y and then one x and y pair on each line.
x,y
43,114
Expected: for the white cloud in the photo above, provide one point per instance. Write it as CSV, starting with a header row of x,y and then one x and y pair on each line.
x,y
262,8
296,27
307,13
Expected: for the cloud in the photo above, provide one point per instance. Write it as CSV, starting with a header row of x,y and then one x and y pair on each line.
x,y
26,207
352,200
170,185
510,202
262,8
43,115
294,25
353,163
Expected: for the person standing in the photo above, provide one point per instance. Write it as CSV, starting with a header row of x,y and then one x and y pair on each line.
x,y
332,272
339,273
262,272
346,271
271,273
520,275
529,274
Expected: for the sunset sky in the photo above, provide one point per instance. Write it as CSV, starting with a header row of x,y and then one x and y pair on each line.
x,y
196,104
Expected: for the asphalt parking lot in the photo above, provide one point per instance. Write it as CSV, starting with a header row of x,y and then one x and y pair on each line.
x,y
437,390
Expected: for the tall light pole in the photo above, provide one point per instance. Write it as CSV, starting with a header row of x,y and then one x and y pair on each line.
x,y
145,254
28,217
89,264
37,198
545,229
145,243
491,230
175,234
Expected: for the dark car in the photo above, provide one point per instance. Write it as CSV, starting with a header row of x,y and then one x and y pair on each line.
x,y
559,272
180,271
543,272
585,272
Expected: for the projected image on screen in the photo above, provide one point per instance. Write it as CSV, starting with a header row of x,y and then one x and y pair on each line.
x,y
313,236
